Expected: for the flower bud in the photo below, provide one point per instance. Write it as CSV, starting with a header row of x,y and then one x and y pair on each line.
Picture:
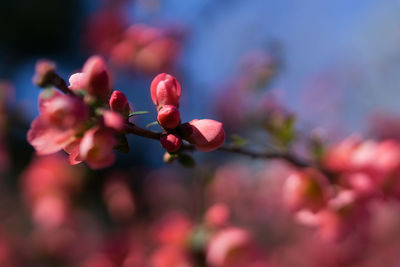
x,y
44,72
94,79
171,142
207,135
119,103
169,117
165,90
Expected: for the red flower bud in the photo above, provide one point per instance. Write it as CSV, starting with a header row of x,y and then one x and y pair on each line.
x,y
171,142
165,90
169,117
207,135
119,103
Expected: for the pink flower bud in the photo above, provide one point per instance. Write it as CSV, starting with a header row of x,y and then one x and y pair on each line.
x,y
96,148
171,142
306,189
94,79
44,72
165,90
207,135
119,103
169,117
113,120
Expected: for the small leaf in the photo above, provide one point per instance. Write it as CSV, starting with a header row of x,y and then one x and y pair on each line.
x,y
186,160
81,92
152,124
238,141
138,113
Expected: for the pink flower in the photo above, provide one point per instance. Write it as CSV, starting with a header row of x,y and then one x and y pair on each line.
x,y
169,117
165,90
62,117
307,189
171,142
64,111
217,215
119,103
229,247
96,148
94,79
206,135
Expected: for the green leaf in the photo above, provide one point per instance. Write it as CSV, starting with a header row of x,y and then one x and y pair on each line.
x,y
138,113
238,141
152,124
81,92
186,160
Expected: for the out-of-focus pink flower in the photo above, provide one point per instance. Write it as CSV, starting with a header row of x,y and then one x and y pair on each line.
x,y
50,174
50,211
96,147
119,199
171,142
147,49
165,90
229,247
170,256
217,215
104,29
173,229
169,117
94,79
206,135
119,103
306,189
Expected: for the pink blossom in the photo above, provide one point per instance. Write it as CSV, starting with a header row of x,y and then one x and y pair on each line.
x,y
169,117
165,90
62,117
96,148
228,246
217,215
306,189
206,135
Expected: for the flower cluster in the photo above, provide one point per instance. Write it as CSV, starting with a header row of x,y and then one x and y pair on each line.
x,y
206,135
91,119
363,172
86,121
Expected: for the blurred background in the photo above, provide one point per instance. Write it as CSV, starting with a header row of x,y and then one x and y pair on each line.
x,y
257,66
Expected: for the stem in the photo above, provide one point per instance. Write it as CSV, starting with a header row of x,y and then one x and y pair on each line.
x,y
54,79
136,130
290,158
